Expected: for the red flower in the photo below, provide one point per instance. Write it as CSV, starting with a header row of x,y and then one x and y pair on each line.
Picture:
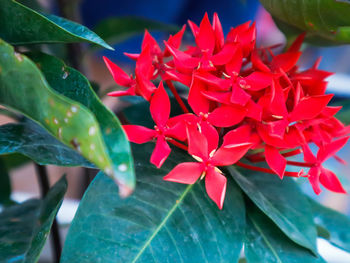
x,y
244,96
160,111
204,149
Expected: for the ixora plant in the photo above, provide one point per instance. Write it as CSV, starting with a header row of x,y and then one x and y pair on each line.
x,y
222,132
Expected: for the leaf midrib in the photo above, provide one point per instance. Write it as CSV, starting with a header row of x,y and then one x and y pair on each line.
x,y
164,221
266,240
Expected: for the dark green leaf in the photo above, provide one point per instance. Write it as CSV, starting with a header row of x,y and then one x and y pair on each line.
x,y
14,160
282,201
344,114
267,243
118,29
32,140
5,184
24,228
76,87
326,22
333,225
21,25
24,89
160,222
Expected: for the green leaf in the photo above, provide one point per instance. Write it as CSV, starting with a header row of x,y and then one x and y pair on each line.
x,y
32,140
344,114
335,225
282,201
20,25
326,22
118,29
5,184
267,243
23,88
117,144
24,228
160,222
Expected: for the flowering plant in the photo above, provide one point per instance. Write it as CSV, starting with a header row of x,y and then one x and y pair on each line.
x,y
259,105
223,133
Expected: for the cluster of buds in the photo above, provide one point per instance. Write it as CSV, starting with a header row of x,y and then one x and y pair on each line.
x,y
257,105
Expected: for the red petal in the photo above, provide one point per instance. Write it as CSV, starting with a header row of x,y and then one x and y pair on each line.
x,y
254,110
258,80
194,28
296,45
226,116
177,76
219,34
184,173
277,128
197,101
197,143
258,63
219,83
308,155
222,97
139,134
120,93
310,107
275,160
120,77
225,55
177,131
314,179
160,152
175,41
239,96
230,154
211,134
183,62
160,106
148,40
132,56
234,66
285,61
330,181
206,37
331,149
237,136
215,184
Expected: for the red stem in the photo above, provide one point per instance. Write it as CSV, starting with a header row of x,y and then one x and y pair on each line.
x,y
177,96
265,170
300,164
178,144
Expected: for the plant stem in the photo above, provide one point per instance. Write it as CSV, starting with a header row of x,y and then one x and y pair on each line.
x,y
56,244
265,170
178,144
177,96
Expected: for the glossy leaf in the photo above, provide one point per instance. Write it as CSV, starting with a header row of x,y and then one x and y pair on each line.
x,y
326,22
5,184
334,225
265,242
344,114
32,140
161,222
76,87
25,227
282,201
24,89
21,25
118,29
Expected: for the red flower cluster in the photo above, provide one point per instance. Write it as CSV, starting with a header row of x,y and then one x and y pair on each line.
x,y
258,105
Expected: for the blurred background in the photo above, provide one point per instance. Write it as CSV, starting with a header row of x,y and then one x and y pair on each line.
x,y
94,15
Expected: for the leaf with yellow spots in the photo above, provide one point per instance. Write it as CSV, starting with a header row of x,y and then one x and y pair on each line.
x,y
24,88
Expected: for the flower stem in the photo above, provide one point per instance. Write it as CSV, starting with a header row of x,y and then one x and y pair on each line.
x,y
300,164
178,144
177,96
265,170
